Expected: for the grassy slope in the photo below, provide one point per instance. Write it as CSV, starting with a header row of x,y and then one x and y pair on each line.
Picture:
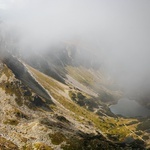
x,y
108,125
96,81
89,77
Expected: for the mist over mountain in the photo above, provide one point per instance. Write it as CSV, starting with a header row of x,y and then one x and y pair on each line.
x,y
74,74
115,31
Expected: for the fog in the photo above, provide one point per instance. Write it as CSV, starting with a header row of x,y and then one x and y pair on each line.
x,y
117,31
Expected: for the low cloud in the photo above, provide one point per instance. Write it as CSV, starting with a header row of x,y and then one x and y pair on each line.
x,y
116,31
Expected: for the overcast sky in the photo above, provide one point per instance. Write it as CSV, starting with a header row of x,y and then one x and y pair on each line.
x,y
118,31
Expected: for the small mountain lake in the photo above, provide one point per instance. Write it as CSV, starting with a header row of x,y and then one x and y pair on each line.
x,y
129,108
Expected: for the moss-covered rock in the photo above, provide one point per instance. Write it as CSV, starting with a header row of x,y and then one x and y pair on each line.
x,y
7,145
57,138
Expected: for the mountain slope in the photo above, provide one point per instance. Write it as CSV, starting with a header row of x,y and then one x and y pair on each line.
x,y
26,122
66,111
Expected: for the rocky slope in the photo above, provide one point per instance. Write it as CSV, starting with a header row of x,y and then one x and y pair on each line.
x,y
58,105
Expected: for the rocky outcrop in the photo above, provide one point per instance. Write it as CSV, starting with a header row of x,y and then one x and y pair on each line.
x,y
21,73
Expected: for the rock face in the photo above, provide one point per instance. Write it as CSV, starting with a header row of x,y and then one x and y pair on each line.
x,y
22,74
39,112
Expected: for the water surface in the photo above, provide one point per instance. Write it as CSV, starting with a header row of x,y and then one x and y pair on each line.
x,y
129,108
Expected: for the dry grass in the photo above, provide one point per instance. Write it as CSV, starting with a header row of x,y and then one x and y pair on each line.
x,y
107,125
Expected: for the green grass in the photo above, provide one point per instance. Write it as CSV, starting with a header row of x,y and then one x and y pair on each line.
x,y
96,81
81,75
41,146
48,81
11,122
102,123
57,138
